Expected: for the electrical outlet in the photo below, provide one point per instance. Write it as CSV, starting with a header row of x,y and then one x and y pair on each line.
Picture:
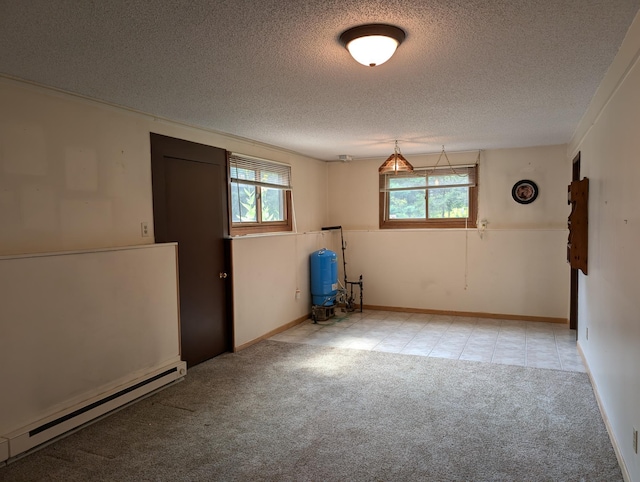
x,y
144,229
297,294
635,440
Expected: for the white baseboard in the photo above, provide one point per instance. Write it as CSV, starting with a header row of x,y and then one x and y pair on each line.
x,y
4,449
607,424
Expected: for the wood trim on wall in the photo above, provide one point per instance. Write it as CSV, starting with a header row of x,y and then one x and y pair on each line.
x,y
280,329
471,314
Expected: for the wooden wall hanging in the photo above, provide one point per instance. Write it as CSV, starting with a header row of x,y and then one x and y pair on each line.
x,y
577,247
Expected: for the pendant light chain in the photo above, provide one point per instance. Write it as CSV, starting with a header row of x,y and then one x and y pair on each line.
x,y
443,152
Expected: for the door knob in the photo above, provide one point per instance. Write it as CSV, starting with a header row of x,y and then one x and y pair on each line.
x,y
223,275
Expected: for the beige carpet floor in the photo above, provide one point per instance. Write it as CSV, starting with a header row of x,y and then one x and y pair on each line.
x,y
291,412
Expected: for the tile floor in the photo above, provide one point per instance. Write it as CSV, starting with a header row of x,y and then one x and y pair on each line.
x,y
510,342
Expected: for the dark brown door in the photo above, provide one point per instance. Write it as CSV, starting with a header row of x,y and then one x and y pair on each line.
x,y
189,207
573,303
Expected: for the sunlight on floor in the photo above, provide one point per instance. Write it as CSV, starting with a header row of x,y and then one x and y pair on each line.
x,y
510,342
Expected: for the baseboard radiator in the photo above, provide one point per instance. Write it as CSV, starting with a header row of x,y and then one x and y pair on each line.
x,y
27,438
83,333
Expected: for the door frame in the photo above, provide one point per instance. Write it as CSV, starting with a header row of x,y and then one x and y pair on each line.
x,y
162,146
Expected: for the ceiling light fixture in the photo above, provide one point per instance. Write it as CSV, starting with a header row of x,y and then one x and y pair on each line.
x,y
372,44
395,162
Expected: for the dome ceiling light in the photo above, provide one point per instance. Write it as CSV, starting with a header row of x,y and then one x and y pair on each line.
x,y
372,44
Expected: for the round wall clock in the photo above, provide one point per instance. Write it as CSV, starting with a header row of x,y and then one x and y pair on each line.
x,y
524,192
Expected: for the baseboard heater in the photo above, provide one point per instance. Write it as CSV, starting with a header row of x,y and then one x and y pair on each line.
x,y
29,437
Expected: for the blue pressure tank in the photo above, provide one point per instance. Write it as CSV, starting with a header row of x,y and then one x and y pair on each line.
x,y
324,277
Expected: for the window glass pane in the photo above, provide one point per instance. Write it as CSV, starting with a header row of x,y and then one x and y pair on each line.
x,y
450,202
448,179
243,202
399,182
272,204
407,204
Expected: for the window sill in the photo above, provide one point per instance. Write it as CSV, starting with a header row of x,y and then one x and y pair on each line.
x,y
262,235
419,225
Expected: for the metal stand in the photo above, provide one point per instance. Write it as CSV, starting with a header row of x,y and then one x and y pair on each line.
x,y
322,313
349,304
349,301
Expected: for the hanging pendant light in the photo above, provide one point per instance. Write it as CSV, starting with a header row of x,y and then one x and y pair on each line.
x,y
372,44
395,163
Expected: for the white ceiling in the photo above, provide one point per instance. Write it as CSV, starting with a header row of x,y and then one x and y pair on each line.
x,y
471,74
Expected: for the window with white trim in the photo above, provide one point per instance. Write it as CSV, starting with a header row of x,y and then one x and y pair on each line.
x,y
444,197
259,195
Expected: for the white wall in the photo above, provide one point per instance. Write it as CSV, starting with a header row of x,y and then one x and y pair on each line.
x,y
76,174
609,297
516,267
65,314
265,284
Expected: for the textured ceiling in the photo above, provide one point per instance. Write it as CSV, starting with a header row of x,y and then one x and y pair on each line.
x,y
472,74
